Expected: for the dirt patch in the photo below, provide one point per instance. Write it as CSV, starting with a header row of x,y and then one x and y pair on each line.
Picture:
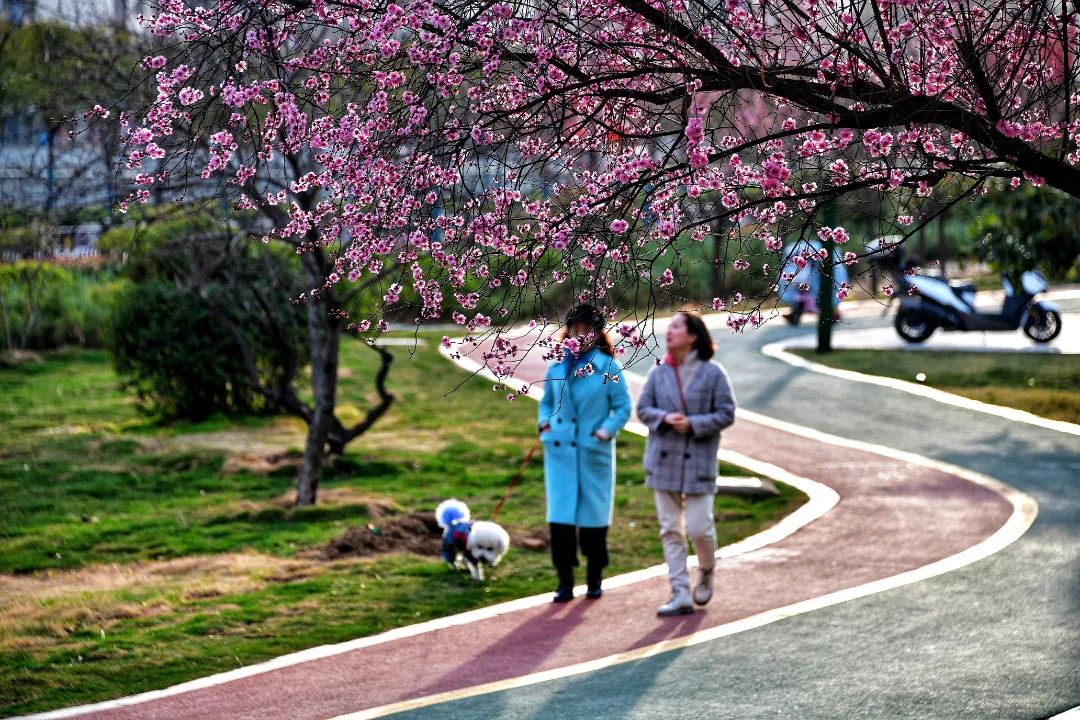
x,y
16,357
235,569
412,442
37,610
257,464
537,540
377,506
416,533
276,437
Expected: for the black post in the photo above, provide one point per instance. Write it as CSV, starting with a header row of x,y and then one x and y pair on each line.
x,y
825,288
825,300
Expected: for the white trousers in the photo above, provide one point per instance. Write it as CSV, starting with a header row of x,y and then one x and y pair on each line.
x,y
681,516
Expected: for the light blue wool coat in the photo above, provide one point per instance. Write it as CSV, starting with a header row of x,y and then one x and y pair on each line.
x,y
579,470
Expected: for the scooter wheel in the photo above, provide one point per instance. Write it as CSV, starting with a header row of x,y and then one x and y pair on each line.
x,y
912,327
1042,326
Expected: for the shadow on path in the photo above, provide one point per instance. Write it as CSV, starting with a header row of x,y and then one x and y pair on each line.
x,y
559,694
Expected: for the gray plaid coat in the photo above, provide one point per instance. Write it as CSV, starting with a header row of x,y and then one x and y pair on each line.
x,y
685,463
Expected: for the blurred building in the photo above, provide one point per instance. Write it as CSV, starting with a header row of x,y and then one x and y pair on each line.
x,y
78,12
40,167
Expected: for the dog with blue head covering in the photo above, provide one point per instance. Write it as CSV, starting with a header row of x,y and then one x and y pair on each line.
x,y
467,543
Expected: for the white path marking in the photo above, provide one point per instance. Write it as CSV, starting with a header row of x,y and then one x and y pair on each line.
x,y
1025,509
779,351
822,499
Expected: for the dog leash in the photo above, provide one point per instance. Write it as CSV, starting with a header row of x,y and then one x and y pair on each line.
x,y
514,480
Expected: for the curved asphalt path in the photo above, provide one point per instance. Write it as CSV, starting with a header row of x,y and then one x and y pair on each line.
x,y
997,639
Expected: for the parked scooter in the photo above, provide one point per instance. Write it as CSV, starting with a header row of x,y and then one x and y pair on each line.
x,y
928,303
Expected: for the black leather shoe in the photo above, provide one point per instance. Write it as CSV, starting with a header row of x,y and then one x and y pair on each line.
x,y
594,592
563,594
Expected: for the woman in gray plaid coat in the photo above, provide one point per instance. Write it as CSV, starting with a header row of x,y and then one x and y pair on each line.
x,y
686,402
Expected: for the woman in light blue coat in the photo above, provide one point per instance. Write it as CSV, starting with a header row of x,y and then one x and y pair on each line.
x,y
585,404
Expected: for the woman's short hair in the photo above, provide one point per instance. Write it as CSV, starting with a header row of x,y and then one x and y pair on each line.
x,y
590,315
703,343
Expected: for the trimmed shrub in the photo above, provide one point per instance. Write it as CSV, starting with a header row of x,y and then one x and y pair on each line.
x,y
175,355
207,324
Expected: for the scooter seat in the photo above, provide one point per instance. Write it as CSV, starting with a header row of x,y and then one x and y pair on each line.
x,y
966,293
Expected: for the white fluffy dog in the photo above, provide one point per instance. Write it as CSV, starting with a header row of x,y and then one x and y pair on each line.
x,y
469,543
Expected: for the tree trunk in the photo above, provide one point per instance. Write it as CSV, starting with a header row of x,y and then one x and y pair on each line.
x,y
324,340
7,324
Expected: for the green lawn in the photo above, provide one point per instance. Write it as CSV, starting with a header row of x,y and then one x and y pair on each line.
x,y
1043,384
135,555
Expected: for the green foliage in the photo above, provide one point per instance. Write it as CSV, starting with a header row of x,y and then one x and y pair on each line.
x,y
175,355
1030,228
207,321
155,241
55,68
44,306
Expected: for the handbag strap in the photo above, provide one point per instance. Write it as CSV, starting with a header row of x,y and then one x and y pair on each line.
x,y
682,397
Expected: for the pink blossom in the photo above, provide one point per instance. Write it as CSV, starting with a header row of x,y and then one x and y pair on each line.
x,y
488,140
190,95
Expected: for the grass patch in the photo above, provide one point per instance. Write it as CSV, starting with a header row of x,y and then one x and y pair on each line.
x,y
1043,384
134,555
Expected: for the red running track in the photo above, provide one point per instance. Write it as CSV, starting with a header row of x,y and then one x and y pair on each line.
x,y
893,516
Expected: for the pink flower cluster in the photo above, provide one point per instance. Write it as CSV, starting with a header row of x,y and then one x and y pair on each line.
x,y
495,152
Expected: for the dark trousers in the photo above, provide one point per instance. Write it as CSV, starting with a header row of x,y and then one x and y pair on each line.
x,y
565,540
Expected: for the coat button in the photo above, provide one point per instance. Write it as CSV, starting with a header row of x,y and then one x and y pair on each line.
x,y
573,444
556,443
686,456
558,420
573,420
663,453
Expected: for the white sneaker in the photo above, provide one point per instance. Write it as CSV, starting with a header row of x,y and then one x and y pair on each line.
x,y
679,604
703,590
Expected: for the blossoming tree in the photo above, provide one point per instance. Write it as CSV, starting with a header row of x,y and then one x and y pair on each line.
x,y
466,155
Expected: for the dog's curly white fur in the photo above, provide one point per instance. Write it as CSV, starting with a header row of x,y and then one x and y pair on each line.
x,y
469,543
